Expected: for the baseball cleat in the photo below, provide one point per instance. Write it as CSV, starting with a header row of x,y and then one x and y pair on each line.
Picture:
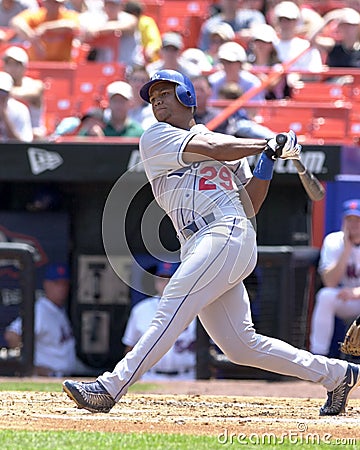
x,y
338,398
91,396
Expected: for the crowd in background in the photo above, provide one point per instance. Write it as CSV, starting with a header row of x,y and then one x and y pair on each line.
x,y
238,42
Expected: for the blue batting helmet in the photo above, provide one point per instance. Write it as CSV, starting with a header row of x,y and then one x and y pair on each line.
x,y
185,91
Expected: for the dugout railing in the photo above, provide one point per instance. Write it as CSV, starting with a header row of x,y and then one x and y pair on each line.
x,y
17,299
281,291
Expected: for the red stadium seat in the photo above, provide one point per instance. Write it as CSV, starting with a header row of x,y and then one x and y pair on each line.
x,y
153,9
64,72
91,80
185,17
58,102
320,92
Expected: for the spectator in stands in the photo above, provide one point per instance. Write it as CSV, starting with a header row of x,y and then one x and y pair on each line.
x,y
140,111
26,89
261,49
339,268
218,34
54,343
50,31
15,122
310,20
179,363
263,56
120,95
232,57
10,8
149,31
80,6
90,124
239,124
68,126
205,112
290,45
198,58
258,5
113,35
170,56
239,14
344,50
310,17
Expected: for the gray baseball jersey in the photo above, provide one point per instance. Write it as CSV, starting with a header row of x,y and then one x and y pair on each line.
x,y
187,192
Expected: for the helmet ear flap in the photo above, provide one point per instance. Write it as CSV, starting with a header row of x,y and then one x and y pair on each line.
x,y
185,96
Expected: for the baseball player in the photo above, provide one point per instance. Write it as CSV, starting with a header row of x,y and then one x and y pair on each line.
x,y
54,346
179,363
202,180
339,268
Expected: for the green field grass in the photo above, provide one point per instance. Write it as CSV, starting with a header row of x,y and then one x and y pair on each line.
x,y
73,440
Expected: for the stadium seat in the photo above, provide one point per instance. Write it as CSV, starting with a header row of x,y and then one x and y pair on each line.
x,y
153,9
80,51
110,42
286,116
59,102
185,17
320,92
64,72
91,80
329,128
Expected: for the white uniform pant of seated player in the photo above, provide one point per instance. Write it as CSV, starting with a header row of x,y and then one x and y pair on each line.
x,y
208,283
327,307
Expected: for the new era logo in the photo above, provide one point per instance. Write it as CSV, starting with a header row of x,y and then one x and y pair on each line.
x,y
41,160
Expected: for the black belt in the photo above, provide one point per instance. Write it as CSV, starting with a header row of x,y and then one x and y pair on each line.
x,y
195,226
172,373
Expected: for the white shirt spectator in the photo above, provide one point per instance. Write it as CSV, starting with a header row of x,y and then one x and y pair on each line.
x,y
27,90
232,57
54,340
287,21
19,116
289,49
15,121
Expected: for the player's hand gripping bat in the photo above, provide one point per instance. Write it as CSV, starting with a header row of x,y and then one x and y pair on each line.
x,y
311,184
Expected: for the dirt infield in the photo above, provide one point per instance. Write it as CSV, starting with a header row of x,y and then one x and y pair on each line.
x,y
213,408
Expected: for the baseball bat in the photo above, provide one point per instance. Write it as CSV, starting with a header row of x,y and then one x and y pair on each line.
x,y
312,185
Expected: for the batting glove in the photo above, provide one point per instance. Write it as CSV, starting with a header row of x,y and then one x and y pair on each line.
x,y
284,146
